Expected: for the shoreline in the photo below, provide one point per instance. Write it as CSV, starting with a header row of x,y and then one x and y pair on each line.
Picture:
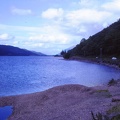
x,y
66,102
95,61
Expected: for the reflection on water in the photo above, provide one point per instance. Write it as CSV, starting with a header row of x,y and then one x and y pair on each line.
x,y
5,112
20,75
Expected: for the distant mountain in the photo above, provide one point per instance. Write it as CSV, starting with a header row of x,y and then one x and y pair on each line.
x,y
105,42
65,50
6,50
39,53
70,48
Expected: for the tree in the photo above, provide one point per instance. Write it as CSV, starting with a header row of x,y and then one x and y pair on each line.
x,y
66,55
62,52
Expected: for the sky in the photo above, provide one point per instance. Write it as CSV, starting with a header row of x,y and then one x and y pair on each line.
x,y
50,26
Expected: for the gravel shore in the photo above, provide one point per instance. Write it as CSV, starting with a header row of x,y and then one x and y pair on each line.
x,y
107,62
67,102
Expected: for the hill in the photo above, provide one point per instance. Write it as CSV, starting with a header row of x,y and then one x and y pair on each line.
x,y
105,43
6,50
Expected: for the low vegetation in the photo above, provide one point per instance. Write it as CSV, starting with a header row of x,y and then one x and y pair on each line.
x,y
104,93
112,82
114,109
113,112
100,116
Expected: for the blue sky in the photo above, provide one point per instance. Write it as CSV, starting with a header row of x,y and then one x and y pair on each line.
x,y
50,26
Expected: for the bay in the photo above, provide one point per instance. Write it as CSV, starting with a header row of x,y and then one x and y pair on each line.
x,y
22,75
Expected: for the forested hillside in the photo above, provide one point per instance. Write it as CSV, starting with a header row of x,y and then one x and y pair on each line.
x,y
105,43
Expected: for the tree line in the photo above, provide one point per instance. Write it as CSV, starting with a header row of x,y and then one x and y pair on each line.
x,y
105,43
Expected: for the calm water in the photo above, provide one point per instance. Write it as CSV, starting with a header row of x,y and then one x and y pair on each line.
x,y
5,112
20,75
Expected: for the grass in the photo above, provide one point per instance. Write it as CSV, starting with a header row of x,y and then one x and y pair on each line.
x,y
114,109
102,91
117,117
100,116
105,93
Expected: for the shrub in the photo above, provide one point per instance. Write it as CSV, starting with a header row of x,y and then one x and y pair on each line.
x,y
114,109
104,93
99,116
67,55
112,82
117,117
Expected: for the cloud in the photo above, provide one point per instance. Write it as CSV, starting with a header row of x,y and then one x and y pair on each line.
x,y
37,44
77,17
63,27
52,13
74,23
18,11
114,5
39,38
82,29
6,36
86,3
50,34
78,21
93,4
19,28
51,38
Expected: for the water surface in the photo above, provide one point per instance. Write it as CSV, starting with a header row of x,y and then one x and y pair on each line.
x,y
21,75
5,112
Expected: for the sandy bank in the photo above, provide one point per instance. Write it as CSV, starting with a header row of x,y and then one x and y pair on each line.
x,y
67,102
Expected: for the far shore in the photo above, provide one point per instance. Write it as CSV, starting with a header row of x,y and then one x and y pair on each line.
x,y
67,102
